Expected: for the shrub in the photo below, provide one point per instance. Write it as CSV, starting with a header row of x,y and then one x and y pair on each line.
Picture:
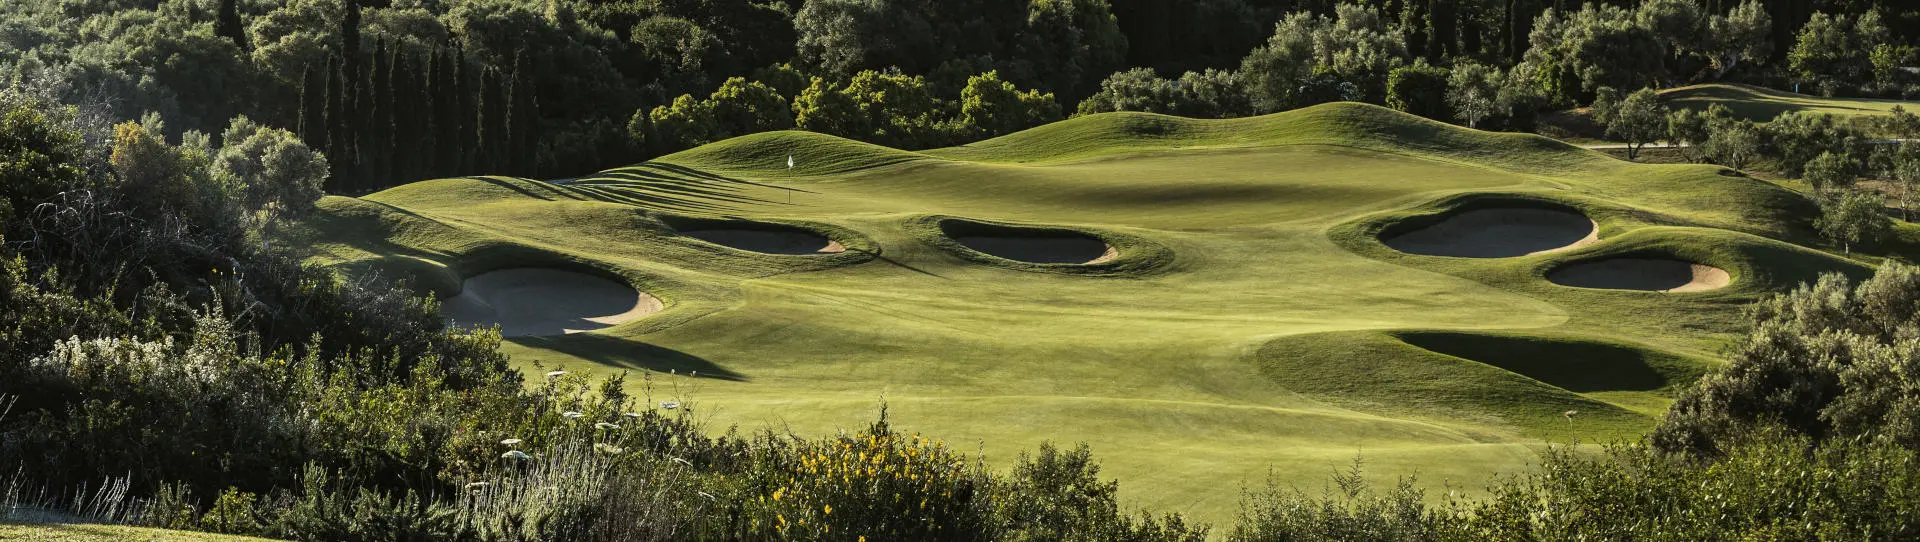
x,y
1419,88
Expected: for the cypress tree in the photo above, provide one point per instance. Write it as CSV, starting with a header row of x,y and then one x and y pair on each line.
x,y
523,119
421,146
494,137
378,126
313,99
350,33
452,112
228,25
329,137
343,124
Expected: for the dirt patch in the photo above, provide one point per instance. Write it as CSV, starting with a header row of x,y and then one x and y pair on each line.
x,y
1499,233
533,301
1043,249
1648,274
791,242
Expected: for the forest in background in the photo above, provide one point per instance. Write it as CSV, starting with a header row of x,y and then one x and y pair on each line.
x,y
394,91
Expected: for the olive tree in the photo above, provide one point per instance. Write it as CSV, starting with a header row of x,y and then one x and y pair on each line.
x,y
1830,172
1906,175
274,173
1828,360
1641,119
1857,217
1687,129
1732,142
1474,92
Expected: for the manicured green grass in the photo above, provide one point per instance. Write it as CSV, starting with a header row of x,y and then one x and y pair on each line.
x,y
1763,104
58,532
1260,327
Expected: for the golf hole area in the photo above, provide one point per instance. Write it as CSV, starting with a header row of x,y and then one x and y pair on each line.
x,y
1649,274
1499,232
533,301
1030,245
761,237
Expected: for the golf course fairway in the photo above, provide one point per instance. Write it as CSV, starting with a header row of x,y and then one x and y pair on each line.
x,y
1249,320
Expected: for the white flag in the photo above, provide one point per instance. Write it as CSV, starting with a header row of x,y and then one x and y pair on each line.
x,y
789,161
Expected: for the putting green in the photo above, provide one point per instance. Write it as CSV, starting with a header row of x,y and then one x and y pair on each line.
x,y
1249,321
1761,104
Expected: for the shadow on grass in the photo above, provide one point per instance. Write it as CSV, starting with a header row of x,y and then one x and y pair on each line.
x,y
673,188
628,354
546,192
1572,365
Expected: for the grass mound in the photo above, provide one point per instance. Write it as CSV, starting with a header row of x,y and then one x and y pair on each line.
x,y
1350,124
765,152
1380,371
537,301
1498,232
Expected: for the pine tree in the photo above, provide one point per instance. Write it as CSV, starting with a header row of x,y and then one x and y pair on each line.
x,y
228,25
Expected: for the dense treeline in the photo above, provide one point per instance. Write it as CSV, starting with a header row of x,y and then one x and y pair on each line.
x,y
398,90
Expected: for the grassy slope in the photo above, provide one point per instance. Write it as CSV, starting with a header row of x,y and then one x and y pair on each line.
x,y
1274,340
52,532
1763,104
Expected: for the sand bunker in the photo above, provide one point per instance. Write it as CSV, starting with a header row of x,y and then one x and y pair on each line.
x,y
531,301
794,241
1658,275
1499,233
1059,248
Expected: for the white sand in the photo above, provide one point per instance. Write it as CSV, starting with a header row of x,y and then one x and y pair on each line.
x,y
533,301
